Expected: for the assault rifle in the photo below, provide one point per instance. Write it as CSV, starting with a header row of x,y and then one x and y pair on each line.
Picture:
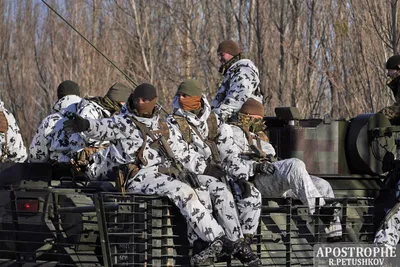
x,y
182,174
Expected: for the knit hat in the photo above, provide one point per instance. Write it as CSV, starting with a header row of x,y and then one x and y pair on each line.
x,y
230,47
190,87
393,62
119,92
252,107
68,88
146,91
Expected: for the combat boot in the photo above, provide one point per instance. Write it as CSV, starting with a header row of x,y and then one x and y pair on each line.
x,y
246,255
330,212
198,246
210,251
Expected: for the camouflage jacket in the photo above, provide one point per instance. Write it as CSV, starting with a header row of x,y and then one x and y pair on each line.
x,y
185,121
12,145
50,141
125,141
90,110
240,83
232,143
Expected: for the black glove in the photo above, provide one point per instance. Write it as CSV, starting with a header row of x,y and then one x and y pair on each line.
x,y
264,167
244,187
75,124
214,170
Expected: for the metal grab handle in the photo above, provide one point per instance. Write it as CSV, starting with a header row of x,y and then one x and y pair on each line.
x,y
90,208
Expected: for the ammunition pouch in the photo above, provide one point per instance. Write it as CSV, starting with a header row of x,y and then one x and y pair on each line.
x,y
125,172
171,171
83,156
214,170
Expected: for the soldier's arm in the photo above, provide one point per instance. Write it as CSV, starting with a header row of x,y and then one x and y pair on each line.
x,y
116,127
88,111
242,86
190,159
15,144
391,112
229,150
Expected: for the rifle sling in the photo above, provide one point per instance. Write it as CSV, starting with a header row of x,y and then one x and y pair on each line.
x,y
210,143
256,149
147,132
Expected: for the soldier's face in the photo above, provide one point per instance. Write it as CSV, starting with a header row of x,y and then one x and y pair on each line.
x,y
391,73
141,100
181,95
224,57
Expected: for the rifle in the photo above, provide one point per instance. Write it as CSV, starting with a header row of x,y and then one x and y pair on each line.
x,y
183,174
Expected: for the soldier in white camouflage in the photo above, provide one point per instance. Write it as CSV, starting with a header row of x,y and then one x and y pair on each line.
x,y
389,232
98,108
137,143
12,147
191,116
247,154
241,81
50,143
393,82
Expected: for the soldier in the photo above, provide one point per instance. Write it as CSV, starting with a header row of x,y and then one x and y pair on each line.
x,y
138,141
12,145
50,142
393,82
246,154
389,231
98,108
241,81
191,116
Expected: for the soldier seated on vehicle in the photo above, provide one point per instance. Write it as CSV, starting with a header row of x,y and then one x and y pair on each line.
x,y
191,117
98,108
12,145
152,168
50,142
389,231
392,112
246,154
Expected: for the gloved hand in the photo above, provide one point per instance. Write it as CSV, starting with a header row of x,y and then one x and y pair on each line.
x,y
76,124
264,167
214,170
245,187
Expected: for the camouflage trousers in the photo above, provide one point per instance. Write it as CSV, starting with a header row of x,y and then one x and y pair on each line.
x,y
389,232
292,179
221,205
191,205
250,211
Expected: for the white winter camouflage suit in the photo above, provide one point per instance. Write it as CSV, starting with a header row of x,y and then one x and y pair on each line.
x,y
50,142
12,147
90,110
250,207
241,82
290,174
389,231
126,139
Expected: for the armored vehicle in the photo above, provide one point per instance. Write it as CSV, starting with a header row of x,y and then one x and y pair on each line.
x,y
63,219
